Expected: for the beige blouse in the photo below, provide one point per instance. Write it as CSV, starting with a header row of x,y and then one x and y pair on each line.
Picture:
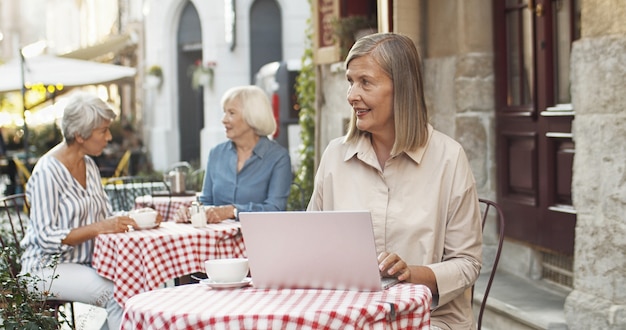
x,y
424,207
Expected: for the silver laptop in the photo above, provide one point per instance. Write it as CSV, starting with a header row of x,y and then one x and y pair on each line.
x,y
316,250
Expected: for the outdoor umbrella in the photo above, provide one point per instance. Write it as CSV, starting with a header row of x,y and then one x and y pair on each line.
x,y
53,70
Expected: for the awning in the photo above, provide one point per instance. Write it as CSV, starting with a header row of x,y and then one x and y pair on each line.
x,y
53,70
112,45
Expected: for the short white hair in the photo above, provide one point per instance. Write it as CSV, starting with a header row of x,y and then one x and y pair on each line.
x,y
256,108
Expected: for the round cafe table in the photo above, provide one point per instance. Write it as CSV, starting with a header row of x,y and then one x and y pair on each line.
x,y
197,306
142,260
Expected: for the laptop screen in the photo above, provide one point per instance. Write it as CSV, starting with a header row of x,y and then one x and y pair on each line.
x,y
321,250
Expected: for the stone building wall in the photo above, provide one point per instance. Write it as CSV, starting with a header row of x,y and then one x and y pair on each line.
x,y
598,80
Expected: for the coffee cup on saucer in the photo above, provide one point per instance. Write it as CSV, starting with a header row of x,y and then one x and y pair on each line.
x,y
230,270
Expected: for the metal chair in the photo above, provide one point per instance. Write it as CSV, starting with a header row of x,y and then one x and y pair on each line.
x,y
486,206
23,173
123,191
15,210
121,168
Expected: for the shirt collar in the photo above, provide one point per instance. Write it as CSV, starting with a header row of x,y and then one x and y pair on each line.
x,y
260,149
364,151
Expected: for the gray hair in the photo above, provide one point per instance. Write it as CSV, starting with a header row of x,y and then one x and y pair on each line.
x,y
83,113
256,108
398,57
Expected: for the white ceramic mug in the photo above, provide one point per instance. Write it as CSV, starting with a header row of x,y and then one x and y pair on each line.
x,y
229,270
144,217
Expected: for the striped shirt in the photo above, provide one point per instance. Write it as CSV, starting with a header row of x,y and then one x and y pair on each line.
x,y
58,204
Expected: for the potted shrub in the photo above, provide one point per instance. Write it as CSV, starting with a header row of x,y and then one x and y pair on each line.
x,y
21,308
155,76
201,74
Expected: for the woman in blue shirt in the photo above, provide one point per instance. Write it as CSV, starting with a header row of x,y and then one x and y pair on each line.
x,y
249,172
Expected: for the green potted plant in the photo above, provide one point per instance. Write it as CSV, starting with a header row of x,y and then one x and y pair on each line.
x,y
21,308
155,76
201,74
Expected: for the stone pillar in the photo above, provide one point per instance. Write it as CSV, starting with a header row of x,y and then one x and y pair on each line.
x,y
598,80
458,76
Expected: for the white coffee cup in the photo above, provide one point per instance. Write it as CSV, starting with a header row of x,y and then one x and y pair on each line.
x,y
144,217
232,270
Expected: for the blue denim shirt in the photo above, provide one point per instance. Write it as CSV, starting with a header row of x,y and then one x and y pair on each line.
x,y
263,183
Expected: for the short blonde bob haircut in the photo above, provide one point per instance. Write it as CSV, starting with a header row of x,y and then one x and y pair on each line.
x,y
397,55
255,106
83,113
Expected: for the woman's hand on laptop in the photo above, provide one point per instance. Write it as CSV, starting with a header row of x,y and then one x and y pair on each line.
x,y
390,264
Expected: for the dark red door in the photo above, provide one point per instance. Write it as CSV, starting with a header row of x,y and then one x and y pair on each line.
x,y
535,149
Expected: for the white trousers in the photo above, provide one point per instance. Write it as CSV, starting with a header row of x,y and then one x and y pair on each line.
x,y
81,283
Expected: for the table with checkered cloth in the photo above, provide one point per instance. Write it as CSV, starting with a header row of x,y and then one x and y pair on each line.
x,y
161,204
142,260
197,306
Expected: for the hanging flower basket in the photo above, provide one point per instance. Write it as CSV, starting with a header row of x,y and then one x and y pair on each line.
x,y
154,78
201,74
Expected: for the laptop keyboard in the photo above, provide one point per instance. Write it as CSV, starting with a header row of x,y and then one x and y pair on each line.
x,y
387,282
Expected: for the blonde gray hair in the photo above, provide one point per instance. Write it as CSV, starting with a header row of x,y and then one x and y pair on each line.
x,y
397,55
256,108
83,113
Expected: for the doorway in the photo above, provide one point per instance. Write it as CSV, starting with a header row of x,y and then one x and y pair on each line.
x,y
535,148
190,100
266,35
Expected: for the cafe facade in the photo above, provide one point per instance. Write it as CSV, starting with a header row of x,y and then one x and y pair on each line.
x,y
533,90
204,48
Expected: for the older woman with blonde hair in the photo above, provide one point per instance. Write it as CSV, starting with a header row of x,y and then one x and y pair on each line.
x,y
249,172
416,182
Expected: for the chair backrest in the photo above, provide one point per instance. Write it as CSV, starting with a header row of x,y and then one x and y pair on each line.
x,y
22,170
487,206
122,166
121,169
13,217
123,191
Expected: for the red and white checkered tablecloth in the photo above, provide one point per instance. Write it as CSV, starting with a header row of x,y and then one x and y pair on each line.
x,y
197,306
161,203
142,260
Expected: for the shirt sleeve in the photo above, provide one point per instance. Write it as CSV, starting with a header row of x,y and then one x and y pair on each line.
x,y
49,228
462,255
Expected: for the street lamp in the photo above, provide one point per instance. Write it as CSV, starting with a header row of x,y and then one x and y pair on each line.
x,y
25,126
30,50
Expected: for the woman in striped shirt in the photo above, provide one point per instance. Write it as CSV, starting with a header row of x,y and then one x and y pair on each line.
x,y
69,208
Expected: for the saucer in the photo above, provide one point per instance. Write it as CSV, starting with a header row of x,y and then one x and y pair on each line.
x,y
150,226
226,285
